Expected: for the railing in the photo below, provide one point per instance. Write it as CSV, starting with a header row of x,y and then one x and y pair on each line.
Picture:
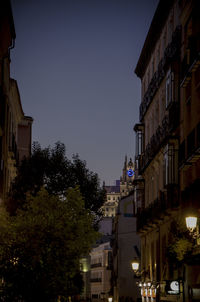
x,y
93,280
190,148
190,59
170,53
167,201
96,265
156,142
163,132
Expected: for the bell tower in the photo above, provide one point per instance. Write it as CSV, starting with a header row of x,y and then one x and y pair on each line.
x,y
126,180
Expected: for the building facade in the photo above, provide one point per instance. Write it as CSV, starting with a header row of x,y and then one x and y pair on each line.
x,y
100,271
112,199
167,153
189,148
121,188
15,127
125,245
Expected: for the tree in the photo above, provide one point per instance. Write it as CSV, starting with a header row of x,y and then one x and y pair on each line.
x,y
51,168
180,244
41,247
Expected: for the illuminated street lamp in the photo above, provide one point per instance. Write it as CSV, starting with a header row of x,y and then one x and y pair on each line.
x,y
135,265
191,223
110,299
193,227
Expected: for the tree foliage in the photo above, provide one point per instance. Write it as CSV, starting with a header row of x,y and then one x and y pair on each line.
x,y
41,246
181,243
51,168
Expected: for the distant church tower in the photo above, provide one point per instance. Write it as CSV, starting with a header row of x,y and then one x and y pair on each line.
x,y
120,189
126,180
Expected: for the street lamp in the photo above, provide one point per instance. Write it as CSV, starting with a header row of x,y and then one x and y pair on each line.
x,y
110,299
191,223
135,267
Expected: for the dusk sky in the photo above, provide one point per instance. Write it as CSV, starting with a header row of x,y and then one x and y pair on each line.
x,y
74,62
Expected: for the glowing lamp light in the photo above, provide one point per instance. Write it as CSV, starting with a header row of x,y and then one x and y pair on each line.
x,y
191,222
135,265
110,299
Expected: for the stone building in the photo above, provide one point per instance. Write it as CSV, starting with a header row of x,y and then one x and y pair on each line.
x,y
112,199
167,153
100,270
125,246
121,188
15,127
189,139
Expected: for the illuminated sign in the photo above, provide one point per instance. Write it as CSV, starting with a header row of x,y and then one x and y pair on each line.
x,y
172,287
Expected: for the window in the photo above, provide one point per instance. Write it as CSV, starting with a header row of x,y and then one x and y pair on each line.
x,y
169,88
182,152
139,142
170,165
191,143
188,93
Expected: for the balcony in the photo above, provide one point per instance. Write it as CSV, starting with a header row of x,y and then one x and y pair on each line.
x,y
190,196
96,265
167,202
190,61
95,280
189,151
171,53
163,133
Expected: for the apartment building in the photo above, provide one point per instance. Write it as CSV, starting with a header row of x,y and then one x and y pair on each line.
x,y
100,270
15,127
189,149
167,154
125,246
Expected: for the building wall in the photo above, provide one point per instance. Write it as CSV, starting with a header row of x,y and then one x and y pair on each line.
x,y
100,274
11,113
158,162
127,239
168,164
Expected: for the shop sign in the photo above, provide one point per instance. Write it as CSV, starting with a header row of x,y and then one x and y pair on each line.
x,y
172,287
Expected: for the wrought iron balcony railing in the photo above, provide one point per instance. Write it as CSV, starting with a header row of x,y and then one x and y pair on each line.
x,y
162,134
151,215
191,60
95,280
189,151
96,265
171,52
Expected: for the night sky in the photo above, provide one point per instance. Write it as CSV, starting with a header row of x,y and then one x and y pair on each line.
x,y
74,62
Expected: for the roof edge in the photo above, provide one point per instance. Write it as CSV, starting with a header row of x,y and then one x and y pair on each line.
x,y
153,34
